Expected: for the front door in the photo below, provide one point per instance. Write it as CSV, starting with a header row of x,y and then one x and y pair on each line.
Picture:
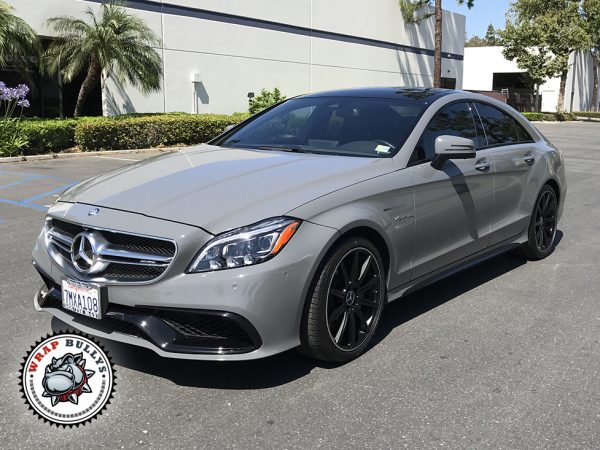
x,y
453,206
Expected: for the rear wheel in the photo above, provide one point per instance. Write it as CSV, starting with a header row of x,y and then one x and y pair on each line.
x,y
542,229
345,302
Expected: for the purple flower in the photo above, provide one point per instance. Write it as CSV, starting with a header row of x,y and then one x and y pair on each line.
x,y
24,103
21,91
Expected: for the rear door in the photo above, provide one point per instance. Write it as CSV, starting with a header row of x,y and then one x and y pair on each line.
x,y
513,152
452,205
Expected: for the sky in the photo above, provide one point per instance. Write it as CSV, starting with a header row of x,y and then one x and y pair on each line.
x,y
481,15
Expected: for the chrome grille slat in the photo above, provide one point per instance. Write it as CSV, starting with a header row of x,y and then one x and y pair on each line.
x,y
129,258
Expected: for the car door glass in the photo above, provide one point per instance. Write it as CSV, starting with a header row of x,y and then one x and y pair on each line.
x,y
500,128
522,133
455,119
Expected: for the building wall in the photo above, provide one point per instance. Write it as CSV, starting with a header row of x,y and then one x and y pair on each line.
x,y
217,51
481,63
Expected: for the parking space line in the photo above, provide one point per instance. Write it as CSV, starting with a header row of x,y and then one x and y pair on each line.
x,y
24,180
47,193
25,205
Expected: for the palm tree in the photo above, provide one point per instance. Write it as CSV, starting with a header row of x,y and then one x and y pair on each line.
x,y
17,39
409,9
113,42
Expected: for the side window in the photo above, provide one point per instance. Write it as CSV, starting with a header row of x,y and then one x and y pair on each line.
x,y
500,128
455,119
522,133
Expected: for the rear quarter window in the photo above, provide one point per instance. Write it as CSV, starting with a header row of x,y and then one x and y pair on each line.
x,y
500,128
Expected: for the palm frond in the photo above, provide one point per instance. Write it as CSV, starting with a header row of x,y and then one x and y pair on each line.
x,y
17,38
120,41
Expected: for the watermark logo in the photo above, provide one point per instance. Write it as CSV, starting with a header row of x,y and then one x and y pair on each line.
x,y
67,379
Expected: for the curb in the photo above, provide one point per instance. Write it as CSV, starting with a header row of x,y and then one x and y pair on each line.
x,y
11,159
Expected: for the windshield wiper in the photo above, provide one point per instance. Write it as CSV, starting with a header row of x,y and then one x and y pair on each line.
x,y
284,148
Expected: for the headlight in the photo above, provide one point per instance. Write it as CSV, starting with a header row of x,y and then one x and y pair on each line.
x,y
245,246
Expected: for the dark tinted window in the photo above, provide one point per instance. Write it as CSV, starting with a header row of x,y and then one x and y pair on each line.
x,y
351,126
500,128
522,133
455,119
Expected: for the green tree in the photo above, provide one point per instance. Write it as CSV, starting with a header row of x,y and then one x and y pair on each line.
x,y
541,35
17,39
264,100
476,41
591,14
491,36
113,42
412,12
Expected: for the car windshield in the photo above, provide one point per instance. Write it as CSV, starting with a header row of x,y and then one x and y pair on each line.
x,y
352,126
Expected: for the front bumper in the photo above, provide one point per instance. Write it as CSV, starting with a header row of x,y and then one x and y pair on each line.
x,y
237,314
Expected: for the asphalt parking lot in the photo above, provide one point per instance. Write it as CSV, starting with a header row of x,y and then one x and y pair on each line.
x,y
504,355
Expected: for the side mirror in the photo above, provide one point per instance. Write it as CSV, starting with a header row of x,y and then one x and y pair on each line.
x,y
452,147
228,128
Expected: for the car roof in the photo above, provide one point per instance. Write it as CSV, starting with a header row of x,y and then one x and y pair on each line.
x,y
418,94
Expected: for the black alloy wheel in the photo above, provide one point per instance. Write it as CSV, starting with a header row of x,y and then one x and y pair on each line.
x,y
345,302
543,225
353,298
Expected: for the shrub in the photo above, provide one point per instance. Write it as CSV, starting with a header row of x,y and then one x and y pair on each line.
x,y
588,114
45,136
264,100
151,130
549,117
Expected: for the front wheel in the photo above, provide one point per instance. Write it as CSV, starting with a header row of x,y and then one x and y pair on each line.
x,y
345,302
542,228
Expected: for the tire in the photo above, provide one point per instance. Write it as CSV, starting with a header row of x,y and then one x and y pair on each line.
x,y
542,227
344,303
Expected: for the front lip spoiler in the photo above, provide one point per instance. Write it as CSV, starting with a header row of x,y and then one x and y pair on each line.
x,y
141,325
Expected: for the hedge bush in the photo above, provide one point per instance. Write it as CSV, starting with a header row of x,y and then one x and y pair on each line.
x,y
45,136
549,117
128,131
588,114
152,131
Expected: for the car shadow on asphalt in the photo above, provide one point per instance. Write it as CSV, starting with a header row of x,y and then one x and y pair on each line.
x,y
289,366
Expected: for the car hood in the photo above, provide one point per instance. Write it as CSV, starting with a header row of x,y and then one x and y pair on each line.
x,y
224,188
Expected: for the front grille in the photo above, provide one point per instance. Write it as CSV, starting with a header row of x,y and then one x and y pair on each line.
x,y
122,257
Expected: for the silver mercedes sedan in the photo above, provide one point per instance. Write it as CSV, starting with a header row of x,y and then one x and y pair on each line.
x,y
295,228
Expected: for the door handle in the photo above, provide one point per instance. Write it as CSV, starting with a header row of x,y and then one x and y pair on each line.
x,y
529,159
482,165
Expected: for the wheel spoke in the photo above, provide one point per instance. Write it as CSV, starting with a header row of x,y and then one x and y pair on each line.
x,y
363,326
363,269
342,327
354,267
344,273
366,302
337,293
336,313
352,329
539,238
546,202
368,285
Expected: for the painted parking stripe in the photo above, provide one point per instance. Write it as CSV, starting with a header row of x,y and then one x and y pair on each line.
x,y
24,180
47,193
25,205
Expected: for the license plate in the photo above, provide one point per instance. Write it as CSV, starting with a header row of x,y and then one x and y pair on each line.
x,y
82,298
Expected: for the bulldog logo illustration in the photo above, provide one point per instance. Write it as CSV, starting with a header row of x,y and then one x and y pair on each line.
x,y
67,379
